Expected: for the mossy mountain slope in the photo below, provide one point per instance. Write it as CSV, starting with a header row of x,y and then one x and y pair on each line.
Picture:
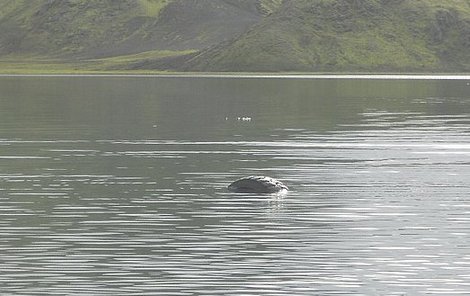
x,y
347,35
98,28
241,35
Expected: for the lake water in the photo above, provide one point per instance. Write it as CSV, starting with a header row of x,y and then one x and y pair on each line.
x,y
117,186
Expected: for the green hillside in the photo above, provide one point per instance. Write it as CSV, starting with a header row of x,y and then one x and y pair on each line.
x,y
96,28
235,35
340,35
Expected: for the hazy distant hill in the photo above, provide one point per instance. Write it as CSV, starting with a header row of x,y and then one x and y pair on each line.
x,y
241,35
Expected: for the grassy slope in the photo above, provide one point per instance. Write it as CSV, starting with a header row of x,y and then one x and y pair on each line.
x,y
114,34
152,8
362,35
68,28
204,35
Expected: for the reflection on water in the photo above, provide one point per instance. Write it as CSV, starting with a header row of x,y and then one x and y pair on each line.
x,y
118,187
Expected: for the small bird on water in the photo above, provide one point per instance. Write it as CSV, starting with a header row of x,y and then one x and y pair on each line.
x,y
257,184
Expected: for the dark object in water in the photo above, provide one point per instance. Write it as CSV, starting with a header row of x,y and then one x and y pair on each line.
x,y
257,184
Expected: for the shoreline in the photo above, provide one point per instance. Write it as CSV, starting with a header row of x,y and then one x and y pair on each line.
x,y
243,75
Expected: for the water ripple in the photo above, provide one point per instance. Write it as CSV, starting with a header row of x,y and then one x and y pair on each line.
x,y
376,211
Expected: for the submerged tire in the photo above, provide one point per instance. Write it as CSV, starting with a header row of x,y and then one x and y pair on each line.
x,y
257,184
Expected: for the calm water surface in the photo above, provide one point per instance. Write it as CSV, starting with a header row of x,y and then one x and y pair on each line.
x,y
117,186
